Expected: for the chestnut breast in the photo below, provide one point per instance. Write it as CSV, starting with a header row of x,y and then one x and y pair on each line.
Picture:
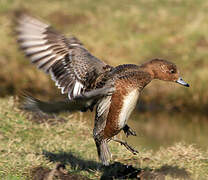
x,y
122,104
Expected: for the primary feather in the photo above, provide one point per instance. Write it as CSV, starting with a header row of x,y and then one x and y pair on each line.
x,y
70,65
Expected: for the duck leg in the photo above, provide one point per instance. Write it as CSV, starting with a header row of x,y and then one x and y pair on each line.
x,y
103,151
128,131
128,147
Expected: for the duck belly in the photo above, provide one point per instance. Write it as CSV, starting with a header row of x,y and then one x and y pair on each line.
x,y
129,103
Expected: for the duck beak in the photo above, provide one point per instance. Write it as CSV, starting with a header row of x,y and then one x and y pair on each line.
x,y
182,82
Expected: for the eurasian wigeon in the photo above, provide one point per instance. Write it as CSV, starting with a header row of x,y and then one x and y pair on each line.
x,y
88,81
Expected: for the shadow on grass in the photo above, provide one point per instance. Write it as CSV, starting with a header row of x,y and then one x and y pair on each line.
x,y
174,171
59,172
116,170
74,161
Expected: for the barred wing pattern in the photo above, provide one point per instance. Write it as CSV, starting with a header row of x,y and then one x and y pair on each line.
x,y
70,65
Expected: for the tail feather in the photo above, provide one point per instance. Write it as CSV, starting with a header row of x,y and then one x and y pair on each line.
x,y
83,102
35,105
103,152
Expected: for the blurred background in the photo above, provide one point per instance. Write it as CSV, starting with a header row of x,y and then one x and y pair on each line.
x,y
121,32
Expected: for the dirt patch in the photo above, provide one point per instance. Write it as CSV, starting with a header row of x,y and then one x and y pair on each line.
x,y
59,172
120,171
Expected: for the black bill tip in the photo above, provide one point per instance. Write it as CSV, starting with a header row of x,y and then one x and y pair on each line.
x,y
182,82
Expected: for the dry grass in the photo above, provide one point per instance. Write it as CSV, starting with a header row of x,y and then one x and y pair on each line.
x,y
118,33
27,147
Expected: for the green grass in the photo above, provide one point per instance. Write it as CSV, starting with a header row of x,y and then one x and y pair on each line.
x,y
118,32
26,146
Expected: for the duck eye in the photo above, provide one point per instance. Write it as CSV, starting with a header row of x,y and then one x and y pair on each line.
x,y
172,71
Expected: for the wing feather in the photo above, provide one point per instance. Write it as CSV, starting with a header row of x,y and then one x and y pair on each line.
x,y
70,65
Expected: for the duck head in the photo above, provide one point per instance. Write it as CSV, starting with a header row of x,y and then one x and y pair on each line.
x,y
164,70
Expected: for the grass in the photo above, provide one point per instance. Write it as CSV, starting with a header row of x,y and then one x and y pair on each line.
x,y
118,32
30,149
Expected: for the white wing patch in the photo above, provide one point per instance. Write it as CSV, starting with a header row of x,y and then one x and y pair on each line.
x,y
75,91
77,88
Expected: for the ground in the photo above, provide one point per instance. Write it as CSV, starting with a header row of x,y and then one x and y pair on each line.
x,y
31,148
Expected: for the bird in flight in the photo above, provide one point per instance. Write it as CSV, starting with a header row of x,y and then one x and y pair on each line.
x,y
89,82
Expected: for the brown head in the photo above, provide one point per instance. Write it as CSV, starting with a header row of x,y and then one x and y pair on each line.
x,y
163,70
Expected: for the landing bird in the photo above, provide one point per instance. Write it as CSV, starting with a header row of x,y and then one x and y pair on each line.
x,y
88,81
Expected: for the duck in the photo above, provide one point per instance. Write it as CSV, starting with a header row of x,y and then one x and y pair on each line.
x,y
88,82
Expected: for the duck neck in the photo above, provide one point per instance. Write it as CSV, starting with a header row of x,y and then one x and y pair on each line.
x,y
149,68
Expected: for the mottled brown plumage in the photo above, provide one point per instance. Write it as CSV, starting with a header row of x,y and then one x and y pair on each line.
x,y
88,81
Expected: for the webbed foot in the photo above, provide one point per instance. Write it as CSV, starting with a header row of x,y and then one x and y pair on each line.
x,y
128,131
128,147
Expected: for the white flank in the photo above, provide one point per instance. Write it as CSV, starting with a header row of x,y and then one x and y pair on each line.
x,y
129,104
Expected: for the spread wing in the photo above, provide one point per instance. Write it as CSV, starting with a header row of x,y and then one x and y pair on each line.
x,y
70,65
